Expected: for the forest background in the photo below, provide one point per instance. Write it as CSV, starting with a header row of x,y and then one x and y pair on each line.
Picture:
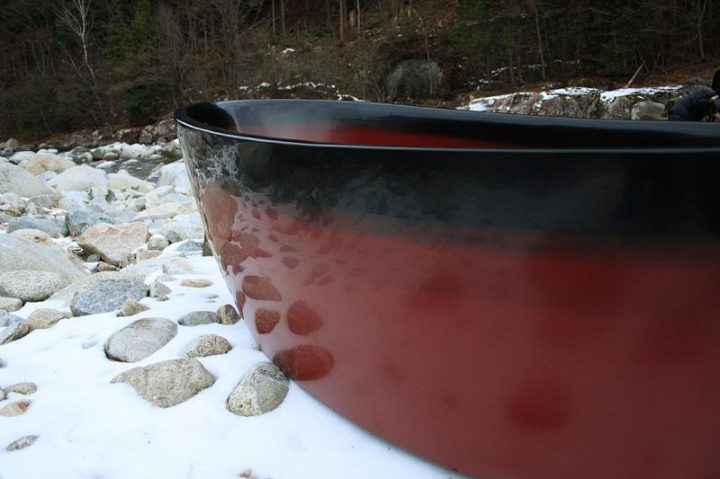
x,y
112,63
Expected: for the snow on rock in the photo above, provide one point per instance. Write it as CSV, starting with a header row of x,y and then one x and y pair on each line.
x,y
14,179
82,178
122,180
140,339
44,161
30,285
168,383
7,319
175,174
575,102
262,389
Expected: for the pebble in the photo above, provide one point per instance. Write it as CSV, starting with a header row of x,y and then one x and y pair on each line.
x,y
157,242
196,283
197,318
14,409
14,332
206,345
10,304
227,314
25,388
159,290
260,390
22,443
131,307
45,318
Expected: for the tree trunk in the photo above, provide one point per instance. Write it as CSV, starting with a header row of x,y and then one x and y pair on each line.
x,y
539,40
342,20
282,18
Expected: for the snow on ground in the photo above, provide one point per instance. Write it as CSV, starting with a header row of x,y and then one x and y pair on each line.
x,y
89,428
486,103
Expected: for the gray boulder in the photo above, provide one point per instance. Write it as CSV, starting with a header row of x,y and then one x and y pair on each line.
x,y
260,390
648,110
51,226
19,253
14,179
168,383
36,236
80,220
30,285
140,339
106,295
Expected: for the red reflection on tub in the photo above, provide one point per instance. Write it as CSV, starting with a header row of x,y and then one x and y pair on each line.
x,y
530,357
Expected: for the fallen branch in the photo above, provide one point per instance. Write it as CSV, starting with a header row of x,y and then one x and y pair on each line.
x,y
637,72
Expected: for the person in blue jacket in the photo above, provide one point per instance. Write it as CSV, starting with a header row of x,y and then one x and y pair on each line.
x,y
700,105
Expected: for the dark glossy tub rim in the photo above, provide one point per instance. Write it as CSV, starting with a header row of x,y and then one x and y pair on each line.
x,y
183,118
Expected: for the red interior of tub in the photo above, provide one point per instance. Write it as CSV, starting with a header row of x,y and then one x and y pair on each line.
x,y
365,135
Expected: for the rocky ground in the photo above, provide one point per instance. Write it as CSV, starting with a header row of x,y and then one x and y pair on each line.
x,y
80,241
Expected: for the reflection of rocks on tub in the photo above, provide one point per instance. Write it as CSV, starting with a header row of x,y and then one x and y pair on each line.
x,y
256,287
306,362
302,320
266,320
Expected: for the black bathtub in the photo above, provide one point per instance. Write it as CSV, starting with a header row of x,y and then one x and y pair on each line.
x,y
508,296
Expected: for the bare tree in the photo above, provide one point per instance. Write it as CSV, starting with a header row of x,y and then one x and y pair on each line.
x,y
76,17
